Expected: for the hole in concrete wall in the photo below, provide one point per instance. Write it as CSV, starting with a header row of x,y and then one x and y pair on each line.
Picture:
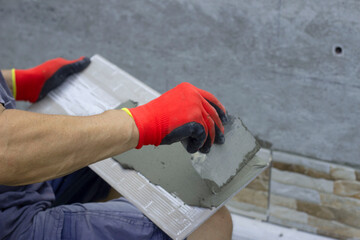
x,y
338,50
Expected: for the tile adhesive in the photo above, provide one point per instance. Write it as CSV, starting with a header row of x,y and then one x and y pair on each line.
x,y
203,180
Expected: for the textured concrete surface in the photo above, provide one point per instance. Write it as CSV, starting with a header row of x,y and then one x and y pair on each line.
x,y
272,62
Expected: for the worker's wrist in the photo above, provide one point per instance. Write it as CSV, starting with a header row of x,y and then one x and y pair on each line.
x,y
133,133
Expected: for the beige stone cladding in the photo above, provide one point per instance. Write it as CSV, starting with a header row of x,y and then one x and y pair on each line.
x,y
328,194
307,194
252,201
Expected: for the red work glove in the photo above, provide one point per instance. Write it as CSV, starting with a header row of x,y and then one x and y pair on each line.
x,y
185,113
35,83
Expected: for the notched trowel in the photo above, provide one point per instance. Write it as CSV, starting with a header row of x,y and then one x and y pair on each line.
x,y
223,162
204,180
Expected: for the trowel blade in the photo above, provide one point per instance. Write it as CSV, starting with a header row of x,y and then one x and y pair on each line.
x,y
224,161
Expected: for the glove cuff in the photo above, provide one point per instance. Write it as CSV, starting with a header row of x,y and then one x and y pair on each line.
x,y
138,118
151,125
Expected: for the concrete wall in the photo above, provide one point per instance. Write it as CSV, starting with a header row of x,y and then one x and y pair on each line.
x,y
272,62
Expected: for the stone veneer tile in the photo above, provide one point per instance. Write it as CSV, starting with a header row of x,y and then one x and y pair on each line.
x,y
339,202
254,197
287,214
347,188
357,173
350,217
281,201
300,169
333,228
314,168
316,210
299,193
293,224
302,161
247,209
261,182
342,173
307,194
301,180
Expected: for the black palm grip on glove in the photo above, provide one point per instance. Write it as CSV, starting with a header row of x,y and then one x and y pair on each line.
x,y
60,76
35,83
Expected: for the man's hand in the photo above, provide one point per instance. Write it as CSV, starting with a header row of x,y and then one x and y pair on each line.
x,y
185,113
35,83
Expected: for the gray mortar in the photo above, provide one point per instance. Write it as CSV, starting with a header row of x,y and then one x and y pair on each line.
x,y
171,168
224,161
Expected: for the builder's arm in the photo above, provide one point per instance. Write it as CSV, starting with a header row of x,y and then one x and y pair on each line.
x,y
38,147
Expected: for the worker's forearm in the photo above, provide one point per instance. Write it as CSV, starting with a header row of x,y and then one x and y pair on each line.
x,y
8,78
37,147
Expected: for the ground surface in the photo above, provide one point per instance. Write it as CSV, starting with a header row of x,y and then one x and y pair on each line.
x,y
250,229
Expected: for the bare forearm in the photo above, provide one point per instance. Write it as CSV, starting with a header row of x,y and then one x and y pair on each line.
x,y
36,147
